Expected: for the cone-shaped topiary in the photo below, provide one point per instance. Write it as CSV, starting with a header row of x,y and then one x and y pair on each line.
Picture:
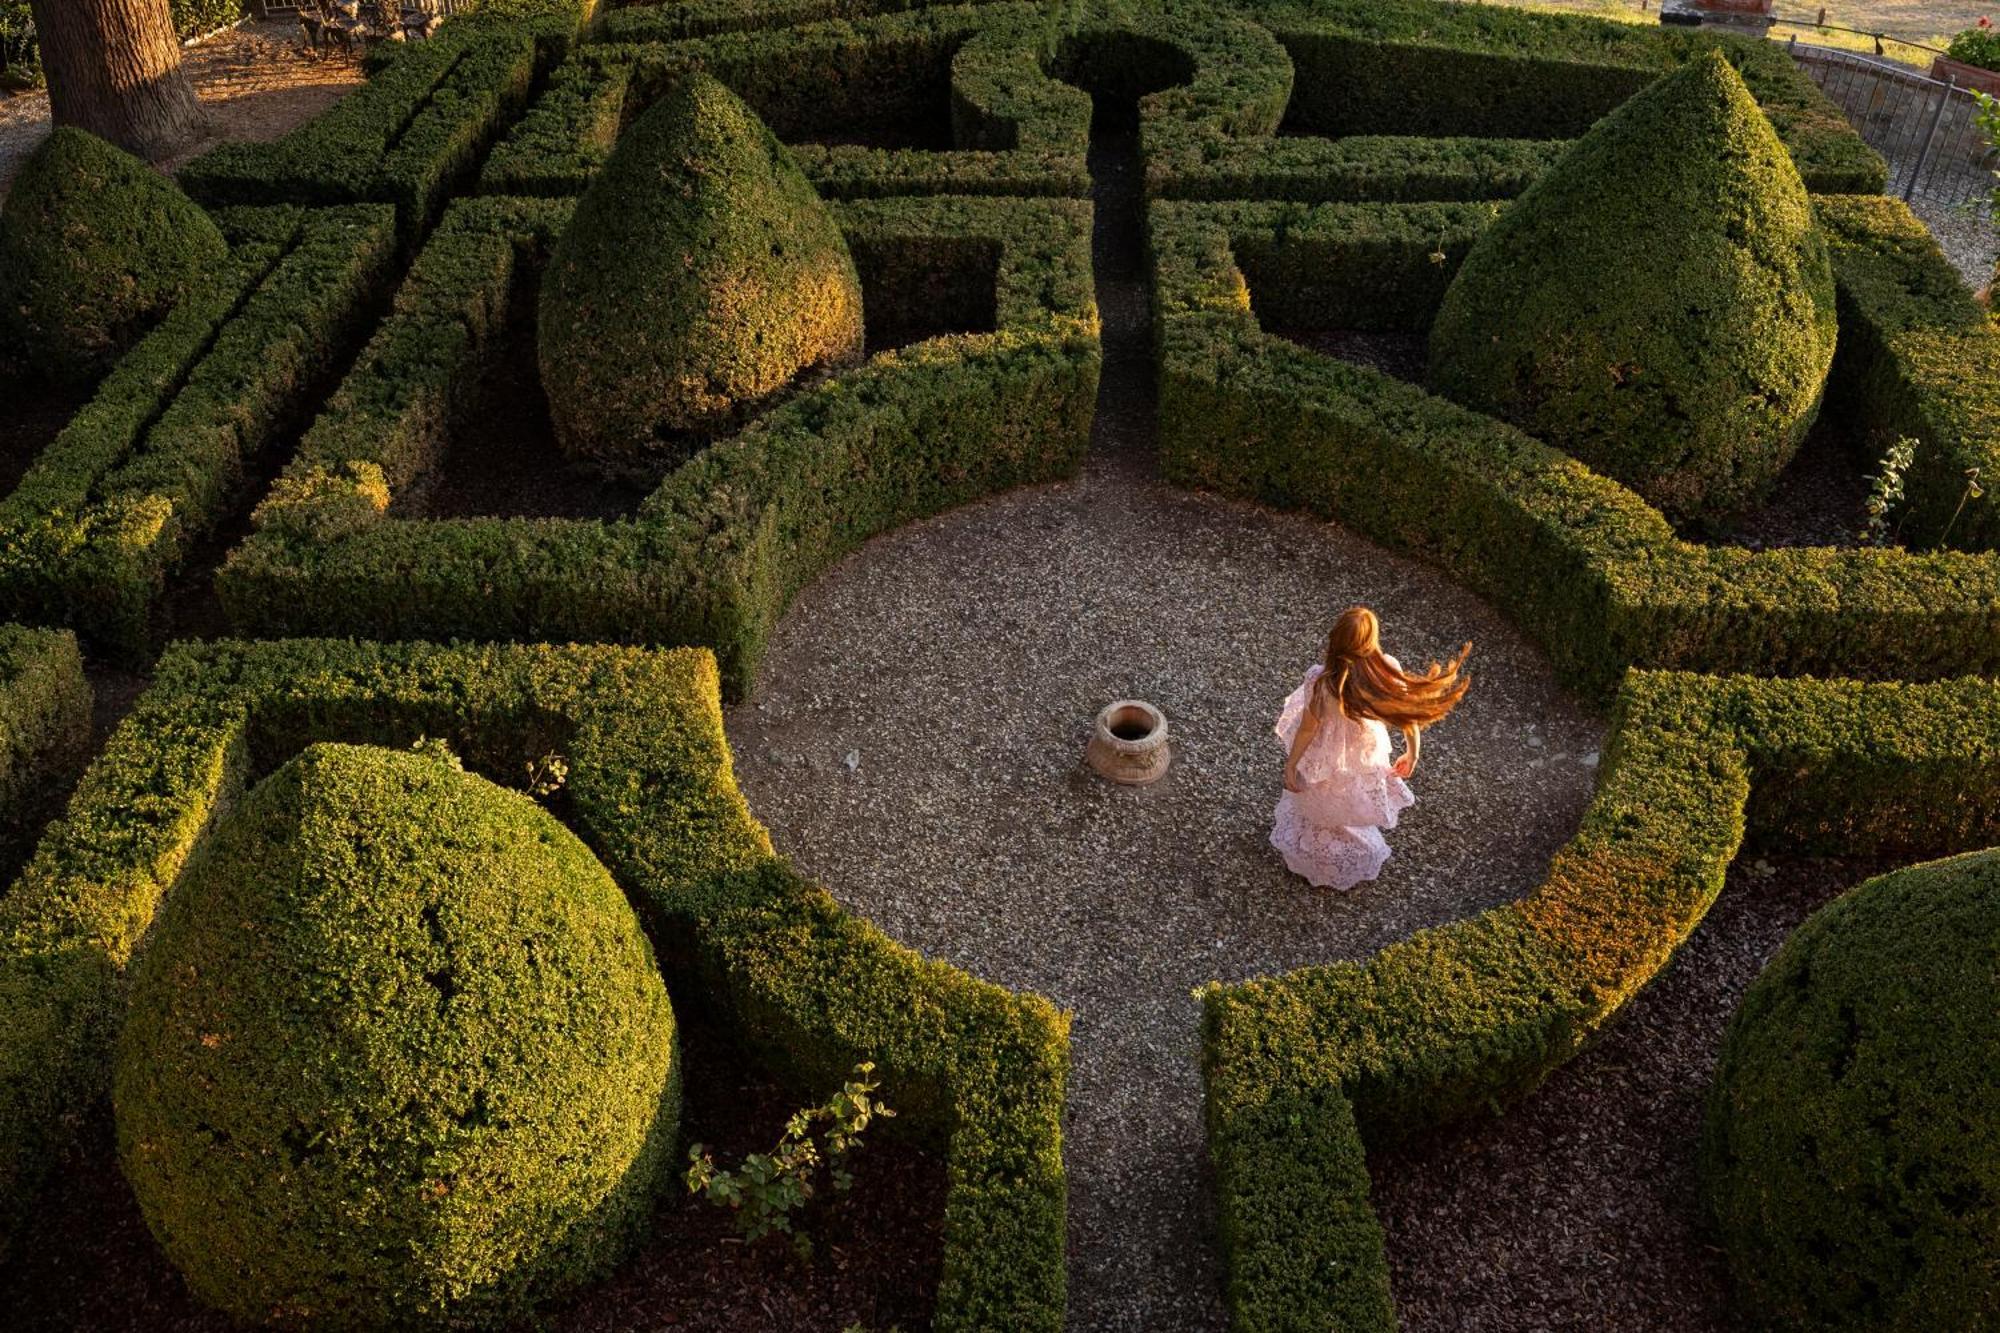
x,y
700,274
1658,304
1851,1158
94,246
399,1055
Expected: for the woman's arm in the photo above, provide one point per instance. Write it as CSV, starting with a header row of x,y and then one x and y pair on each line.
x,y
1412,745
1302,740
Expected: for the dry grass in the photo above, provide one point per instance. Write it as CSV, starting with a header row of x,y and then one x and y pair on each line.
x,y
1928,22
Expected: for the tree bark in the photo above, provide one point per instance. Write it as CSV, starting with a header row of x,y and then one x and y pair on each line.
x,y
114,68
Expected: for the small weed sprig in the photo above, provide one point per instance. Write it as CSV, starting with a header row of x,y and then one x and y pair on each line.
x,y
768,1188
1973,491
1885,493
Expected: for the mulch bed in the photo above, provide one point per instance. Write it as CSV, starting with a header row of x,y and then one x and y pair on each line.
x,y
1818,500
1403,355
1578,1208
87,1264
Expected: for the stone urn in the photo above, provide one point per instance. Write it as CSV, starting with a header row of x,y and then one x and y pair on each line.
x,y
1128,743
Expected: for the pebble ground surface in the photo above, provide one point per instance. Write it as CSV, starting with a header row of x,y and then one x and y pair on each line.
x,y
916,744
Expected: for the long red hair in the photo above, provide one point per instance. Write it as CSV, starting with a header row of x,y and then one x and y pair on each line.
x,y
1366,685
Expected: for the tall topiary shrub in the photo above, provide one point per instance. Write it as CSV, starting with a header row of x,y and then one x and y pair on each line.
x,y
1658,304
399,1055
94,246
700,275
1851,1158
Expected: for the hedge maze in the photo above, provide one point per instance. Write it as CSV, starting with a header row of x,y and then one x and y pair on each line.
x,y
278,438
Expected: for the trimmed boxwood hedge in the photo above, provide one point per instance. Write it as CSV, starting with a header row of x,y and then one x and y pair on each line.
x,y
1499,87
397,1055
410,136
1851,1155
700,276
152,463
1688,365
44,731
977,1071
1921,359
1588,569
1370,67
717,552
1308,1071
95,246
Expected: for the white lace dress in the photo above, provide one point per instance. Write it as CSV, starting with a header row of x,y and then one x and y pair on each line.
x,y
1331,832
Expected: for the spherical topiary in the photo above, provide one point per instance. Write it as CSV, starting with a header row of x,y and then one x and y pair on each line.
x,y
1851,1158
94,246
699,275
1658,304
399,1055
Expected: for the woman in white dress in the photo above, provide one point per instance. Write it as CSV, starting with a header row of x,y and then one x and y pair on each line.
x,y
1341,786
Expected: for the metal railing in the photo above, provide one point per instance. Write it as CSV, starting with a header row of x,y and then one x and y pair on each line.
x,y
1925,127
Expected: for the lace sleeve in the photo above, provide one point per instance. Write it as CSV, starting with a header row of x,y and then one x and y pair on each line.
x,y
1294,709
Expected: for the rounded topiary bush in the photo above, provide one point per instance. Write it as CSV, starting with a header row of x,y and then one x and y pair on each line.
x,y
398,1055
1851,1158
700,274
1659,304
94,246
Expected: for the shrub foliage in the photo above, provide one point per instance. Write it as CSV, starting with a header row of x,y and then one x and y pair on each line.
x,y
94,246
699,276
400,1053
1851,1158
1658,304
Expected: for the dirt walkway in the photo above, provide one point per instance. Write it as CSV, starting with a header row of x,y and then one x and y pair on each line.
x,y
252,81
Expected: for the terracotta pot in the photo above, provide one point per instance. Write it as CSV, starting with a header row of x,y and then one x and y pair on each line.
x,y
1128,743
1966,76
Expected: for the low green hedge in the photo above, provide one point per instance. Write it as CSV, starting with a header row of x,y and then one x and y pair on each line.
x,y
1307,1071
1356,82
717,552
1923,360
976,1070
1425,67
1583,565
152,463
410,136
854,78
44,732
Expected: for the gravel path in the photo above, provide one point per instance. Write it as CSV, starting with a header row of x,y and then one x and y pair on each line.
x,y
1970,238
916,745
252,81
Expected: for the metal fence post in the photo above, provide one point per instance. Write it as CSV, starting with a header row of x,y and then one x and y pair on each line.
x,y
1930,136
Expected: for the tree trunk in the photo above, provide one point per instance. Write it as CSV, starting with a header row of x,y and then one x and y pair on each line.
x,y
114,68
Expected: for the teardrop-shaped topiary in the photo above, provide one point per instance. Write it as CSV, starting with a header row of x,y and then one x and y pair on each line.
x,y
1658,304
700,274
94,246
1851,1156
398,1056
